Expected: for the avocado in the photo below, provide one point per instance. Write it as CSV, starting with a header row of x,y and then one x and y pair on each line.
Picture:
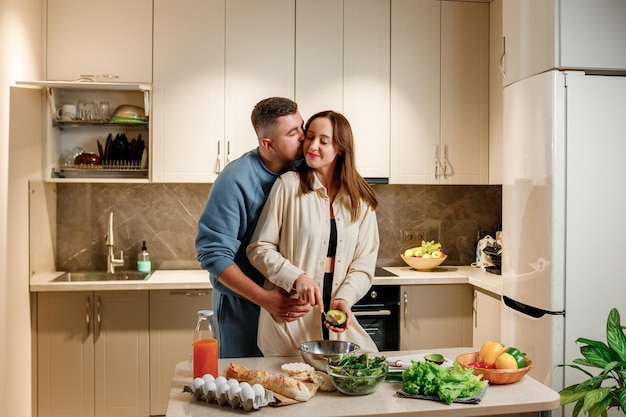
x,y
336,318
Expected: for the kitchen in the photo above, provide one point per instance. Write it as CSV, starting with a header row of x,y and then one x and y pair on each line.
x,y
438,209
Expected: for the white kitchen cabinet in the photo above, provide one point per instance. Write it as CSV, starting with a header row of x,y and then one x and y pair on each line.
x,y
99,40
540,35
486,317
435,316
62,140
439,92
354,78
173,315
93,357
213,63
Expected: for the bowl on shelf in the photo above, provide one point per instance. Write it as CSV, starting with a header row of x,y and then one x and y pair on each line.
x,y
352,382
423,264
494,376
317,352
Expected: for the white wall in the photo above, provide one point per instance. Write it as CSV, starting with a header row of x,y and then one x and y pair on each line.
x,y
20,137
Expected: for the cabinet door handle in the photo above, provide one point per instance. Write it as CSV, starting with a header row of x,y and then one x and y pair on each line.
x,y
218,165
445,161
227,152
98,322
88,315
502,58
437,162
190,293
406,308
475,309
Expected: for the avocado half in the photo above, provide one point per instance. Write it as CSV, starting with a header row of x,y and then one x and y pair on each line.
x,y
336,318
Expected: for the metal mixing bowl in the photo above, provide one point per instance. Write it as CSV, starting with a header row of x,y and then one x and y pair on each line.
x,y
316,353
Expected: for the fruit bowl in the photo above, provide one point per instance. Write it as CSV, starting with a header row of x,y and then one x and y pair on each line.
x,y
423,264
494,376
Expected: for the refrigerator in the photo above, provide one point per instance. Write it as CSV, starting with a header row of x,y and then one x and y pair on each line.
x,y
563,216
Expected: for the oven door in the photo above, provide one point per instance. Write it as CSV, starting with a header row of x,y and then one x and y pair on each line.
x,y
379,314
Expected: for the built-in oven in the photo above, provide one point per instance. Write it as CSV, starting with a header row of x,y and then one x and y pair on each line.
x,y
378,312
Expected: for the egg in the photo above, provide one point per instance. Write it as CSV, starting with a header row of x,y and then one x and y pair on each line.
x,y
220,379
233,396
259,391
244,384
221,393
208,377
208,390
196,387
247,398
232,382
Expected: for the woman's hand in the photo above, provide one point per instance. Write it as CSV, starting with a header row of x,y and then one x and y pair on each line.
x,y
308,290
341,305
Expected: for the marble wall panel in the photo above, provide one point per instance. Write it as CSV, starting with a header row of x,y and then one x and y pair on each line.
x,y
166,216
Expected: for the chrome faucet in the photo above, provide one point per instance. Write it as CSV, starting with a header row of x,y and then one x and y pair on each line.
x,y
111,261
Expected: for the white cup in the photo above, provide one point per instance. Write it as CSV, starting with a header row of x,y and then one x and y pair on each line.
x,y
66,112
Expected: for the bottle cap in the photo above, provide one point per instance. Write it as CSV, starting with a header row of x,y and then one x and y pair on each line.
x,y
144,247
205,313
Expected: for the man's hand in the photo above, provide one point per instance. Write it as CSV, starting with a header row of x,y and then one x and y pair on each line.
x,y
278,303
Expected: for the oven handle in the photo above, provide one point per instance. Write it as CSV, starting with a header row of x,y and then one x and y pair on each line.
x,y
372,313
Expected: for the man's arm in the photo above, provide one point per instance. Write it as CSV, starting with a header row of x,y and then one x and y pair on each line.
x,y
275,301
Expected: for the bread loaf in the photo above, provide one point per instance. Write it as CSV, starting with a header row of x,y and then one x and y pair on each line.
x,y
280,384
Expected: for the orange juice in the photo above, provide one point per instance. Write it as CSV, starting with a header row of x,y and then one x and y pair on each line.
x,y
205,357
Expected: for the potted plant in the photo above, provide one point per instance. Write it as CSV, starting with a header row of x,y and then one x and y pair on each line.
x,y
598,393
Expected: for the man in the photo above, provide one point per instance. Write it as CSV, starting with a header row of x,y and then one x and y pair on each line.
x,y
228,221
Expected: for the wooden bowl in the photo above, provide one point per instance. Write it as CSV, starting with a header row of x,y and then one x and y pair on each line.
x,y
423,264
494,376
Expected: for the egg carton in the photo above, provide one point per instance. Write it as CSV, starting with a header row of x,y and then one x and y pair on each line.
x,y
231,392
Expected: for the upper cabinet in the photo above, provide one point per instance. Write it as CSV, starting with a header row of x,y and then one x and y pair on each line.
x,y
539,35
439,92
345,67
109,40
211,66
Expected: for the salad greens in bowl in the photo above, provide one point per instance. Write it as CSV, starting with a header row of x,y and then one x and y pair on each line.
x,y
357,374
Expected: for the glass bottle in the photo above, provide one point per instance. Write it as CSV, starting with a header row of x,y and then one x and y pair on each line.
x,y
205,352
144,264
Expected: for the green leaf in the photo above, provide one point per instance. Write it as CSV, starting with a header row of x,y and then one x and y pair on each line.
x,y
571,394
615,335
599,356
622,399
578,407
594,397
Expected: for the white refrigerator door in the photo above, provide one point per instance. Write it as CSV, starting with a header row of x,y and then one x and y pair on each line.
x,y
533,220
533,200
596,210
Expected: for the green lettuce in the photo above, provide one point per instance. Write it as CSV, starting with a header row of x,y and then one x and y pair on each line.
x,y
426,378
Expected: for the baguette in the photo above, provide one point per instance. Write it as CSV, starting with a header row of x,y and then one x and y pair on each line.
x,y
280,384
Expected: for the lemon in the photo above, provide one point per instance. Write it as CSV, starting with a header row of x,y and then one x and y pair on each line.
x,y
506,361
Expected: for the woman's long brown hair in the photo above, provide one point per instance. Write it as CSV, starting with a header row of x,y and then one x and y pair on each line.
x,y
355,185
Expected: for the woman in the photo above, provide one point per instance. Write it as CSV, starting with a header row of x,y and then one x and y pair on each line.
x,y
317,238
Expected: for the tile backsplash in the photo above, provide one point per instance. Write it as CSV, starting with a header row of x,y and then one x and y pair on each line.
x,y
166,216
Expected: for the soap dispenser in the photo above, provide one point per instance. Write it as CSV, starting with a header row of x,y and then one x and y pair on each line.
x,y
144,264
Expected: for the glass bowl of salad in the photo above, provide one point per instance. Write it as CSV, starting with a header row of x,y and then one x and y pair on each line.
x,y
358,374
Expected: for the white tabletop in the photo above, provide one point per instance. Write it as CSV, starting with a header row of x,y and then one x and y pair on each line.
x,y
525,396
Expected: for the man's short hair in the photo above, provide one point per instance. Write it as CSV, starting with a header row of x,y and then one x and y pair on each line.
x,y
267,111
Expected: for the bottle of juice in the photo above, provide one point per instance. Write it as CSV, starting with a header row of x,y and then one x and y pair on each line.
x,y
205,351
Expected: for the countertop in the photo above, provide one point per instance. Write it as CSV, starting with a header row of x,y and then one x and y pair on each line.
x,y
525,396
199,280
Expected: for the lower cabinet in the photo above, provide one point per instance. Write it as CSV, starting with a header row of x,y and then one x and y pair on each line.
x,y
173,315
112,353
93,354
486,320
435,316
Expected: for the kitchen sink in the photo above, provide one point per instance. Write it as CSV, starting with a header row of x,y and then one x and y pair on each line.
x,y
102,276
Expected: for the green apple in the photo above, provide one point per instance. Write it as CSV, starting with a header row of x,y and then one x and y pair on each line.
x,y
426,255
408,253
436,254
